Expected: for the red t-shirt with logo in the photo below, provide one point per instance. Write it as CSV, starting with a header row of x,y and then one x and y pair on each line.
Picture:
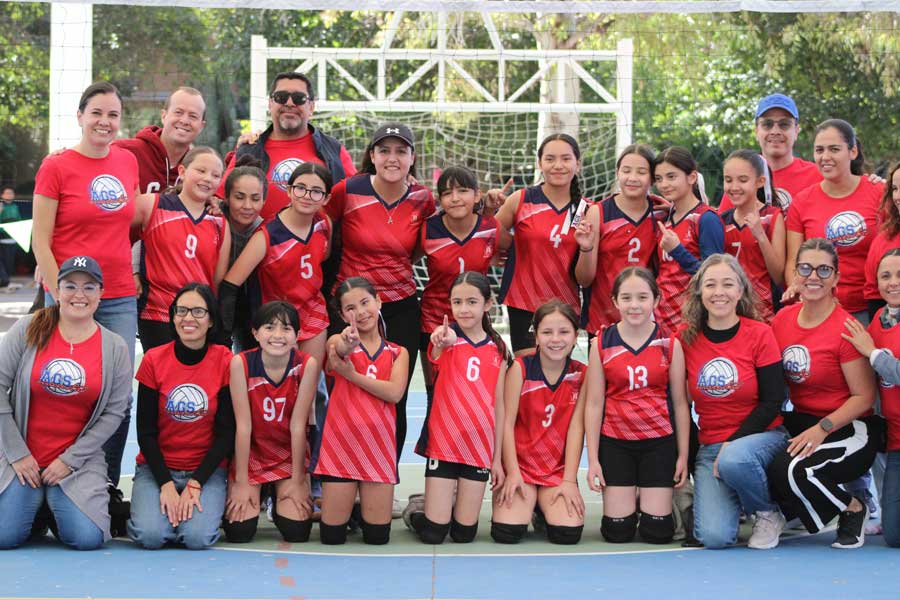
x,y
889,340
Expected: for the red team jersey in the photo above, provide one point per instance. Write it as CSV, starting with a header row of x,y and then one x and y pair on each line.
x,y
888,339
637,386
789,181
539,267
379,239
447,257
65,384
880,245
95,208
740,243
850,223
542,423
812,360
188,401
271,407
359,440
292,271
621,243
722,378
177,249
460,425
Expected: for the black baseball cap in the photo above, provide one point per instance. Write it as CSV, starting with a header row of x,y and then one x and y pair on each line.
x,y
397,130
81,264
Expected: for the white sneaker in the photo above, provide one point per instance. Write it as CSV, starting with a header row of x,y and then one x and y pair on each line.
x,y
767,527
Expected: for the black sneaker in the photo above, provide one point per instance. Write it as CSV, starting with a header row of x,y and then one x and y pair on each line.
x,y
119,512
851,532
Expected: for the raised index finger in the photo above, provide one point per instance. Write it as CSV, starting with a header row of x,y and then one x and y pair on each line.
x,y
506,186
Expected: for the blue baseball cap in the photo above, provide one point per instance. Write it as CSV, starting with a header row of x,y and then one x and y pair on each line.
x,y
777,101
81,264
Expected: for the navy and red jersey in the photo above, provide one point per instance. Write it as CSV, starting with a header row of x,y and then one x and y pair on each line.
x,y
65,385
701,234
888,338
850,223
291,271
789,181
95,207
740,243
188,401
880,245
621,243
460,424
271,408
359,440
177,249
812,360
539,267
379,238
721,378
636,405
446,257
542,423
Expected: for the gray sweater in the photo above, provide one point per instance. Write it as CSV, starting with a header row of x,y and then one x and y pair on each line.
x,y
86,486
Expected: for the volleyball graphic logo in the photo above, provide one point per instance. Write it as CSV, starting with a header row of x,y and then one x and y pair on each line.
x,y
187,403
62,377
718,378
796,361
881,381
108,193
281,174
845,228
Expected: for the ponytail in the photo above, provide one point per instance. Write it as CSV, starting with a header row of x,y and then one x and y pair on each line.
x,y
41,328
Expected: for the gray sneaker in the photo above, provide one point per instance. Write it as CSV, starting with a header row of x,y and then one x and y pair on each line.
x,y
767,527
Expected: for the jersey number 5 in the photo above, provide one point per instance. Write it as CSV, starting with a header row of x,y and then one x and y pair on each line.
x,y
306,270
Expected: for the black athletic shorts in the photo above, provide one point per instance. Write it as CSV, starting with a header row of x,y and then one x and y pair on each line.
x,y
452,470
641,463
520,334
333,479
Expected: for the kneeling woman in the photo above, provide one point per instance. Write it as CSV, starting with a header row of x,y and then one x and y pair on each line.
x,y
185,428
64,387
543,434
735,379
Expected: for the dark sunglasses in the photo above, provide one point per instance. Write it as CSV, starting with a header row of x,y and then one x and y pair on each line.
x,y
823,271
281,97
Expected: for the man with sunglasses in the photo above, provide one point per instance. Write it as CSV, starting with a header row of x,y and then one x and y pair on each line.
x,y
291,140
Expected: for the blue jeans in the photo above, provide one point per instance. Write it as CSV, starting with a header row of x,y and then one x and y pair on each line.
x,y
741,483
151,529
890,500
19,505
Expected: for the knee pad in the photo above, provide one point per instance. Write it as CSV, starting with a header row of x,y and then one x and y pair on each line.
x,y
295,532
462,534
563,534
504,533
332,535
240,532
376,535
619,530
431,532
655,529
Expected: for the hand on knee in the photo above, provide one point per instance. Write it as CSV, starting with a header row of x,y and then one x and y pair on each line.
x,y
655,529
431,532
619,530
562,534
504,533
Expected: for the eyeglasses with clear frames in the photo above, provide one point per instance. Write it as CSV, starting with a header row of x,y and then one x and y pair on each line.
x,y
783,124
88,289
198,312
316,195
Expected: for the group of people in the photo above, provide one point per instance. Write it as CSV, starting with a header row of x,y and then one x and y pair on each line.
x,y
281,326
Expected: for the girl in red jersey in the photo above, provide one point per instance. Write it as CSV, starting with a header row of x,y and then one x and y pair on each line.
x,y
634,441
359,447
462,434
690,232
287,255
181,242
881,344
458,239
734,377
833,391
272,390
539,266
543,434
754,226
888,238
617,233
185,430
842,209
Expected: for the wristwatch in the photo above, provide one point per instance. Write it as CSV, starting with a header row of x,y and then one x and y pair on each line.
x,y
826,425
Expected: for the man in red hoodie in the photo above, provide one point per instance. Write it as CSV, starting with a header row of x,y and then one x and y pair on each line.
x,y
159,150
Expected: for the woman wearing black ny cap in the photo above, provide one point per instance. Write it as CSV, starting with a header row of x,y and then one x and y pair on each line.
x,y
65,382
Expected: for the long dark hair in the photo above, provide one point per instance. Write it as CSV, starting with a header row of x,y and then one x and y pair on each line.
x,y
575,184
890,216
352,283
849,136
311,168
683,160
42,326
276,311
480,282
367,166
761,168
205,292
554,305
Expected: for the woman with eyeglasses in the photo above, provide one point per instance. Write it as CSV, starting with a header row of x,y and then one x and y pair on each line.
x,y
65,383
832,389
287,255
185,429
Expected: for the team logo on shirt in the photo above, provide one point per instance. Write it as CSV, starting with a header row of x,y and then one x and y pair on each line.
x,y
62,377
881,380
796,363
187,403
281,174
108,193
718,378
845,228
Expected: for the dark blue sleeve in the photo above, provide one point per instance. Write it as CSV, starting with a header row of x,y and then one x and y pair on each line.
x,y
711,235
